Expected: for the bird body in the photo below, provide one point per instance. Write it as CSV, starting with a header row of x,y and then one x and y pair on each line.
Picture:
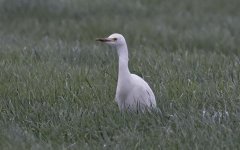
x,y
133,93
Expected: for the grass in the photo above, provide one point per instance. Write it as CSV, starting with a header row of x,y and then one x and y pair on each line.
x,y
57,85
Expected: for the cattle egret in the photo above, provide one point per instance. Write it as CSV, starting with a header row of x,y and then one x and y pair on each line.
x,y
133,93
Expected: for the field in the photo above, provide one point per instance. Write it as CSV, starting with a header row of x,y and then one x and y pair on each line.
x,y
57,84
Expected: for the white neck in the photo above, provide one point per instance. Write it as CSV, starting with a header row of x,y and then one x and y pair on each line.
x,y
123,71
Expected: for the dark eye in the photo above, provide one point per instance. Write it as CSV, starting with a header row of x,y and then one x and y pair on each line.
x,y
114,39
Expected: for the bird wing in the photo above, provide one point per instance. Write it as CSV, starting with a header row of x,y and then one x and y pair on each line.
x,y
142,91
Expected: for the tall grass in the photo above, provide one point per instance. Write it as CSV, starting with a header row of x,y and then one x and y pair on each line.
x,y
57,85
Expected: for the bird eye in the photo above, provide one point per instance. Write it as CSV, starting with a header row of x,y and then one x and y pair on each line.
x,y
114,39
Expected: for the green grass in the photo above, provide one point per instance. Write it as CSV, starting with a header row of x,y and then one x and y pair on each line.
x,y
57,85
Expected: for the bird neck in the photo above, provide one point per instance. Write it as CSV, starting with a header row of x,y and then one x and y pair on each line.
x,y
123,71
123,52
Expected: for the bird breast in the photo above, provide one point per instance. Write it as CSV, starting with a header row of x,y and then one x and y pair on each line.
x,y
123,89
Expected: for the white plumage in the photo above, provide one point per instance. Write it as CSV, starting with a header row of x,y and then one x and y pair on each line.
x,y
133,93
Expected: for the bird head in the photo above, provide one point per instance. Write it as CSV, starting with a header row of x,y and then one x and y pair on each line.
x,y
115,40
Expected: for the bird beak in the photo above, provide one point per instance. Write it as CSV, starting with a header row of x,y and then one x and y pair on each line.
x,y
105,39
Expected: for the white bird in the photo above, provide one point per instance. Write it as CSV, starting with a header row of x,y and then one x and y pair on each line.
x,y
133,93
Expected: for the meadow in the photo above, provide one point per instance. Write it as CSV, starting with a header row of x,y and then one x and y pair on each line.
x,y
57,84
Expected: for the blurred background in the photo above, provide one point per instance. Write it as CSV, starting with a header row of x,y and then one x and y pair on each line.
x,y
192,24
